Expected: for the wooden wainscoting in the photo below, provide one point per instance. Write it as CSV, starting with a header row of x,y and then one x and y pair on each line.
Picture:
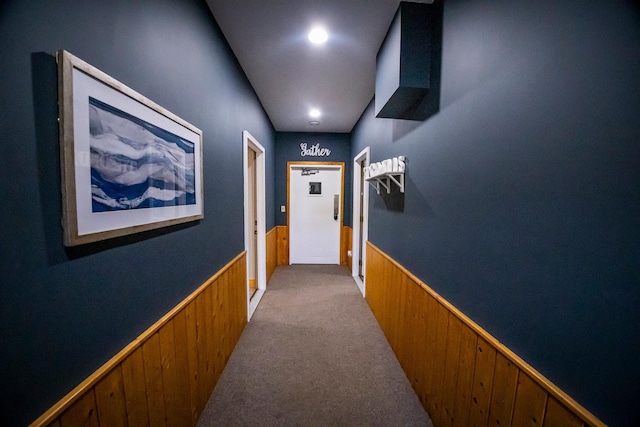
x,y
346,238
282,244
462,375
166,375
272,252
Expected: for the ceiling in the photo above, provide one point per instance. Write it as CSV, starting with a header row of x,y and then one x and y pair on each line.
x,y
291,75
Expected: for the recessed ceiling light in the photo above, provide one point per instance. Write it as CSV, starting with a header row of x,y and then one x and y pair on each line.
x,y
318,35
315,113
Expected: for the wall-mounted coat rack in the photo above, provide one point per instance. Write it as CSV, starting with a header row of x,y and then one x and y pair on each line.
x,y
386,172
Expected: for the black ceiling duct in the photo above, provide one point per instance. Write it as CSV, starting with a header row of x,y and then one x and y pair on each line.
x,y
408,63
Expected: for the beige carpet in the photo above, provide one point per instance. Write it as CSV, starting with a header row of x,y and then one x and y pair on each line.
x,y
313,355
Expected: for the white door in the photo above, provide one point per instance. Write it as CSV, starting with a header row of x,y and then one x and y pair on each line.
x,y
315,213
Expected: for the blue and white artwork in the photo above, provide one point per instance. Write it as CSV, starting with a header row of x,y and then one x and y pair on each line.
x,y
135,164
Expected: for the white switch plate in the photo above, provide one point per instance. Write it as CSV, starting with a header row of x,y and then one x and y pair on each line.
x,y
282,209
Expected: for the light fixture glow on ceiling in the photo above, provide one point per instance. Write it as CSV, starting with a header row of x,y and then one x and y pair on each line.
x,y
318,35
315,113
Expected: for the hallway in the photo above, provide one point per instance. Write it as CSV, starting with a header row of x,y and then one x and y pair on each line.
x,y
313,354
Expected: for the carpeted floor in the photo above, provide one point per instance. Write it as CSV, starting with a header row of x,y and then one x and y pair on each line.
x,y
313,355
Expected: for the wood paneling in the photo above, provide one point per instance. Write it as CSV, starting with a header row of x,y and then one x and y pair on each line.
x,y
346,237
530,402
153,380
462,375
176,406
218,307
135,389
112,409
482,383
439,362
166,375
282,245
192,357
452,358
464,381
272,252
429,366
558,415
505,376
82,413
203,344
183,383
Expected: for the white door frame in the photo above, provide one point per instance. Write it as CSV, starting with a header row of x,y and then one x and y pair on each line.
x,y
250,143
358,210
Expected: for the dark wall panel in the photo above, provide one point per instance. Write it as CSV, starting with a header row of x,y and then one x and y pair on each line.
x,y
288,149
64,312
522,203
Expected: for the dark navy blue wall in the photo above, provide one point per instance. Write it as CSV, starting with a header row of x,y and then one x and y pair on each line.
x,y
522,203
65,312
288,149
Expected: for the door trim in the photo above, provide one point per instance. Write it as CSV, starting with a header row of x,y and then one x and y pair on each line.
x,y
362,158
249,142
302,163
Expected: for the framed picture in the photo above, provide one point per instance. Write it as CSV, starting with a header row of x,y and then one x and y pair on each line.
x,y
128,165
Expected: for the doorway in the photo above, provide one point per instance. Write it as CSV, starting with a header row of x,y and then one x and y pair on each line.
x,y
254,220
360,219
315,206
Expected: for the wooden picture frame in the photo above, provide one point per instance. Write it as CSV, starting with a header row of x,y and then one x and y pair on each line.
x,y
128,165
